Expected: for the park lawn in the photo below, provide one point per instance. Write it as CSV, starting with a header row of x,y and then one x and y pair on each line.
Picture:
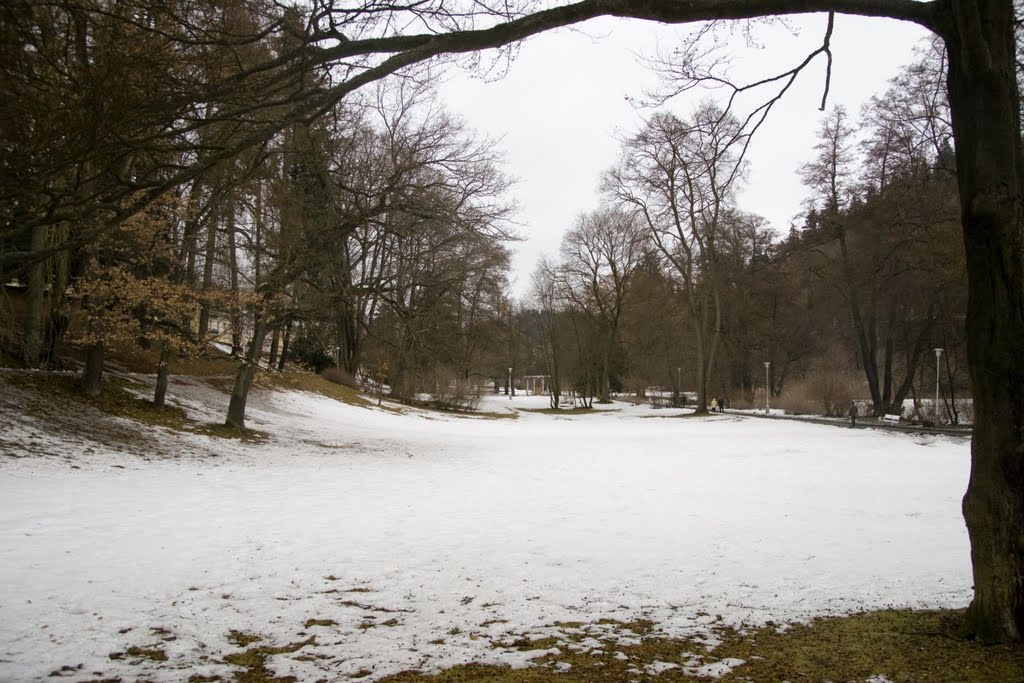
x,y
349,542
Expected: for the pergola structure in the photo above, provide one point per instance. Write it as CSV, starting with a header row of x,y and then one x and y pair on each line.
x,y
530,383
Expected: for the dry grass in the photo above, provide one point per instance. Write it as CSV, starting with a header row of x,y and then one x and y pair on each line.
x,y
115,398
339,376
564,411
306,381
904,646
827,393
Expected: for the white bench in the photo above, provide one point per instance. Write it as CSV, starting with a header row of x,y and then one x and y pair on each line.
x,y
890,419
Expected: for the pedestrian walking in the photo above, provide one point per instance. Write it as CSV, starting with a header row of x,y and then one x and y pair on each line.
x,y
852,412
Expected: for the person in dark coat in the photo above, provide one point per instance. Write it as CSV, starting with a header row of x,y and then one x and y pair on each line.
x,y
852,412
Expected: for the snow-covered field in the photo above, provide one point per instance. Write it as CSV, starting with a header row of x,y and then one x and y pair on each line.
x,y
419,541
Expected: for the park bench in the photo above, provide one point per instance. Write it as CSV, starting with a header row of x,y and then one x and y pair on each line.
x,y
890,419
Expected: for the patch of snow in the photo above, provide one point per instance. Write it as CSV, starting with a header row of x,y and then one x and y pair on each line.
x,y
419,541
716,669
658,668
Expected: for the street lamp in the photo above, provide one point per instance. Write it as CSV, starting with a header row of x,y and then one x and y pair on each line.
x,y
767,385
938,352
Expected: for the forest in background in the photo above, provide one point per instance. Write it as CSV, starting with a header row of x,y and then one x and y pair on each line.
x,y
373,238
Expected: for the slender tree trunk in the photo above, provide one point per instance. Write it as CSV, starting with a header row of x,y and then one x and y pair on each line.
x,y
351,342
35,314
716,332
236,314
162,376
284,345
92,374
211,249
887,361
895,406
984,102
245,376
867,342
275,341
954,414
702,380
187,254
604,393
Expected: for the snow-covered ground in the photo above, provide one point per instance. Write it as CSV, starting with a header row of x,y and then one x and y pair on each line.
x,y
419,541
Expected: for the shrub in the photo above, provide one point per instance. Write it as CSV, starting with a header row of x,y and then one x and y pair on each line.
x,y
825,393
308,351
445,390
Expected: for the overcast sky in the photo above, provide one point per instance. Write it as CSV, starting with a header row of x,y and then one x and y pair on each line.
x,y
560,107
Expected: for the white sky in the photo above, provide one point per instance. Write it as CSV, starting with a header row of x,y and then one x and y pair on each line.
x,y
563,101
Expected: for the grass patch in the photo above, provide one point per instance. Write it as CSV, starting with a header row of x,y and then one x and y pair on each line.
x,y
307,381
253,661
152,653
320,622
242,639
564,411
902,645
367,625
115,398
691,416
224,431
527,644
490,415
137,359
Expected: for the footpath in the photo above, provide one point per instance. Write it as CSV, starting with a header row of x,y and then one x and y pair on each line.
x,y
862,423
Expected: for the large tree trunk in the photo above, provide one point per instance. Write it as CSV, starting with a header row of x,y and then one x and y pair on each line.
x,y
984,103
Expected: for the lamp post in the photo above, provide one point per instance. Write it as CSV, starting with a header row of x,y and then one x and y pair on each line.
x,y
767,386
938,352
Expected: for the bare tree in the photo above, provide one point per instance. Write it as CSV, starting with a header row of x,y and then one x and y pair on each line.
x,y
679,177
122,166
599,257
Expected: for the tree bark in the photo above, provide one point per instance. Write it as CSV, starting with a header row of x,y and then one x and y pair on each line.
x,y
275,342
984,103
211,249
92,374
284,345
236,314
244,377
32,347
162,376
